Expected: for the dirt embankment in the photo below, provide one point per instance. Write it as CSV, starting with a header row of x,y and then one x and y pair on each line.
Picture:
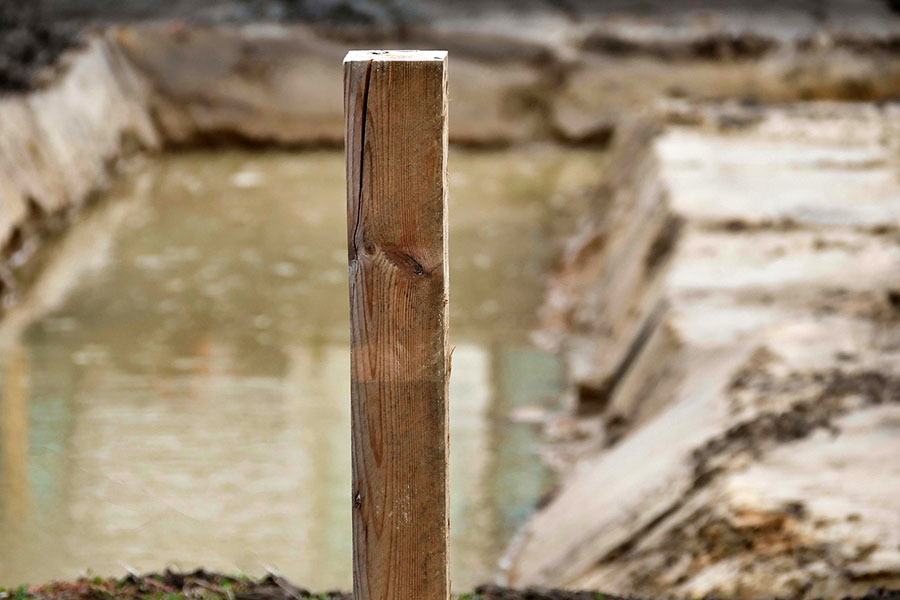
x,y
746,450
203,585
60,144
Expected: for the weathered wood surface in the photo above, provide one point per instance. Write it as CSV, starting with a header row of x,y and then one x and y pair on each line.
x,y
396,145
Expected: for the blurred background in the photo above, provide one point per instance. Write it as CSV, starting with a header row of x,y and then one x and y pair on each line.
x,y
675,290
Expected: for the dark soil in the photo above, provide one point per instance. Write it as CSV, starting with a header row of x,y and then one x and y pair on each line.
x,y
204,585
881,594
33,33
711,47
29,44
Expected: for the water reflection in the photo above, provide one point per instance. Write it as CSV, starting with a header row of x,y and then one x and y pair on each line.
x,y
175,389
14,487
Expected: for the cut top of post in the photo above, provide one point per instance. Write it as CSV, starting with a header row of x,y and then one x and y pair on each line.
x,y
410,55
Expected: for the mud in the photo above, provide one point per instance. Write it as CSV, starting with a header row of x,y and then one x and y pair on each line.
x,y
829,393
779,358
201,584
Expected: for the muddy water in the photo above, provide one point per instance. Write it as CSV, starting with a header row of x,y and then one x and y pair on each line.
x,y
175,387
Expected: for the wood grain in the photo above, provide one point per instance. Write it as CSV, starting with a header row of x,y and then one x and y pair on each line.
x,y
396,147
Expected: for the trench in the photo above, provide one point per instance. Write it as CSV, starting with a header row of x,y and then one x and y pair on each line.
x,y
175,389
174,383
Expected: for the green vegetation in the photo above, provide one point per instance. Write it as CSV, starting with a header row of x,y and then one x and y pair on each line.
x,y
20,593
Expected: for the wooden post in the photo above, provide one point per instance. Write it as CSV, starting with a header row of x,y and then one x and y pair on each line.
x,y
396,146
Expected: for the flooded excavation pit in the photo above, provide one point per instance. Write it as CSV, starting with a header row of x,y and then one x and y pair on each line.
x,y
175,387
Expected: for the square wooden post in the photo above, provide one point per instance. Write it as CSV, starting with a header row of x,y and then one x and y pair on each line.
x,y
396,148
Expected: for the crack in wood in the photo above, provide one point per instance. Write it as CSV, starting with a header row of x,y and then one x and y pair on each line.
x,y
354,243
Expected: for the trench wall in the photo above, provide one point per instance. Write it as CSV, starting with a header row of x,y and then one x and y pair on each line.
x,y
147,87
60,144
